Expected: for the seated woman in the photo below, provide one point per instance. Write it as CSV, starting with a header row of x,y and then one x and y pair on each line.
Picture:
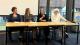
x,y
14,17
43,18
28,17
56,17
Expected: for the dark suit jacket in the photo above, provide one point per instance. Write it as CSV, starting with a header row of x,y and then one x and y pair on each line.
x,y
13,19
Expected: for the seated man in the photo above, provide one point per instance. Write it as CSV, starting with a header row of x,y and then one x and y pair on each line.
x,y
14,17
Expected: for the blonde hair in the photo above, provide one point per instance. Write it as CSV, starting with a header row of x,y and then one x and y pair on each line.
x,y
55,10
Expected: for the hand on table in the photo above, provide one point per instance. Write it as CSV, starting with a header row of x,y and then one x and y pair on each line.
x,y
68,21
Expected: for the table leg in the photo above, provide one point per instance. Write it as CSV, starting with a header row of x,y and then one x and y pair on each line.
x,y
6,36
78,35
27,34
63,38
64,35
33,37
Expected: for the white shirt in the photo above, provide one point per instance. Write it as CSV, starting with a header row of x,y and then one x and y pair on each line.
x,y
57,18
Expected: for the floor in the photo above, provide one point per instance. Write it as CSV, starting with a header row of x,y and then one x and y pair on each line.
x,y
69,41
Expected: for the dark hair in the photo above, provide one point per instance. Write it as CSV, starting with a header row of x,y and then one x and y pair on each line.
x,y
41,9
13,8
